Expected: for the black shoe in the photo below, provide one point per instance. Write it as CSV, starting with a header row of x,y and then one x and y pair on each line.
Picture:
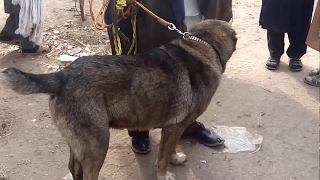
x,y
7,39
141,144
31,51
207,137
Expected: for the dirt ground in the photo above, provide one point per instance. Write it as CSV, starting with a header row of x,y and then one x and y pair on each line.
x,y
277,105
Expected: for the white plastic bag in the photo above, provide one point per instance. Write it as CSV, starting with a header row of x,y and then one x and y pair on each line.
x,y
238,139
68,177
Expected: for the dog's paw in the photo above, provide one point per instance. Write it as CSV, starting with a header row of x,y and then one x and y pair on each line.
x,y
178,158
167,176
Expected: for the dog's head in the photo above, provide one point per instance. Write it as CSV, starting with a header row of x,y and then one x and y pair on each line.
x,y
220,35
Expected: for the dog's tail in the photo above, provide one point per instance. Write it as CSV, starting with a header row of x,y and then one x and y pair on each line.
x,y
27,83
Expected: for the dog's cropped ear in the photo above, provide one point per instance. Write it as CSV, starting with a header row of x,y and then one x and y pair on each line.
x,y
234,39
228,48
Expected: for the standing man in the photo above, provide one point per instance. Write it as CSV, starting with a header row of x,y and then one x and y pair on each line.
x,y
8,35
283,16
151,34
313,41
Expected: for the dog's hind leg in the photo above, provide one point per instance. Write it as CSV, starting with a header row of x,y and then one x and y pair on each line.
x,y
93,162
75,167
86,163
88,147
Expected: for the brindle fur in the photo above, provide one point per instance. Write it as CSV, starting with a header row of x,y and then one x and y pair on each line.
x,y
168,87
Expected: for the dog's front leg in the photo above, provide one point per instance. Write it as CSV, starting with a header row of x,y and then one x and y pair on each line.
x,y
178,158
169,139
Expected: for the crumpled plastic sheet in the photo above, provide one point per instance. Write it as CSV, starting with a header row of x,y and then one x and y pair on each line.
x,y
68,177
238,139
3,174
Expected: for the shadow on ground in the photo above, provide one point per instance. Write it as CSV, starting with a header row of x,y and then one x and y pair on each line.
x,y
289,150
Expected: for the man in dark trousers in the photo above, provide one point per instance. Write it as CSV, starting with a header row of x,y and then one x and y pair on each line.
x,y
286,16
151,34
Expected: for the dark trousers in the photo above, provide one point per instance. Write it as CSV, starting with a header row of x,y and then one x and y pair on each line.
x,y
12,24
297,47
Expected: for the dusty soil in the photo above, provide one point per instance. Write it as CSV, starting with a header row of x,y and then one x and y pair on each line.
x,y
277,105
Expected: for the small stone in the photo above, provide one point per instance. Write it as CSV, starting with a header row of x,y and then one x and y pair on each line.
x,y
66,25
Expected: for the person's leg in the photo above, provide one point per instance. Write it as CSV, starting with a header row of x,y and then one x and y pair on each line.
x,y
7,34
276,49
297,49
26,45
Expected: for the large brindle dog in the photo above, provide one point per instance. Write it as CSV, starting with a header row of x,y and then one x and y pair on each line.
x,y
168,87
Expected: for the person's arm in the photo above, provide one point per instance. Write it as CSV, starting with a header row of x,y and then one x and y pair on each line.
x,y
125,26
313,38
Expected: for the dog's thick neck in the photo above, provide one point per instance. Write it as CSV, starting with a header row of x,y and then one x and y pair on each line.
x,y
194,38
